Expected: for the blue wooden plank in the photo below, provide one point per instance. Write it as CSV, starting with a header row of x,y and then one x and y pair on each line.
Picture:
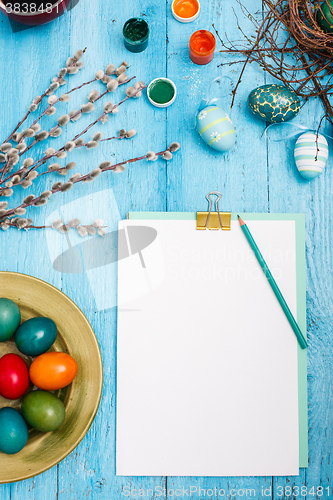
x,y
240,175
87,471
290,191
244,177
29,74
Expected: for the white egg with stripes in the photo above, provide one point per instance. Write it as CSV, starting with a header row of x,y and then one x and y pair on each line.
x,y
311,153
216,128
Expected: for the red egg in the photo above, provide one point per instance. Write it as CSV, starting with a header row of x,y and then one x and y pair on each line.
x,y
14,378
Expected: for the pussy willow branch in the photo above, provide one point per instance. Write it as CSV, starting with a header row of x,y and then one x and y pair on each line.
x,y
84,177
73,90
140,89
104,114
50,227
56,127
92,124
45,158
61,168
56,102
38,102
102,140
11,212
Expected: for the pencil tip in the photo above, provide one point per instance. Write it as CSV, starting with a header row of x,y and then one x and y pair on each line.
x,y
242,223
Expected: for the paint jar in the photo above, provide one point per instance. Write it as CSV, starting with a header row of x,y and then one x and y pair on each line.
x,y
136,34
202,46
161,92
185,11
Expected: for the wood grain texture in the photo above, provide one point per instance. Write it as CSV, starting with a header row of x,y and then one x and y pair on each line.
x,y
257,175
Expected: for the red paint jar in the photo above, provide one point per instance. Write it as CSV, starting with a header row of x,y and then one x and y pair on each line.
x,y
27,17
202,46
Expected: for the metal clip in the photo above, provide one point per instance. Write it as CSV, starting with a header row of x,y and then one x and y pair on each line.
x,y
214,220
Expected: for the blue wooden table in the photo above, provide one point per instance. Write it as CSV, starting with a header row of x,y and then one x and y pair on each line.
x,y
257,175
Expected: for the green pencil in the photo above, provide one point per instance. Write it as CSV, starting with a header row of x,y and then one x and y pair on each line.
x,y
272,282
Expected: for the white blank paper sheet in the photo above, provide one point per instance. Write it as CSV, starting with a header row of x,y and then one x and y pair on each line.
x,y
206,360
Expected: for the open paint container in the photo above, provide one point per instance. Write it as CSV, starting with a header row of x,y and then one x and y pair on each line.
x,y
202,47
161,92
136,34
185,11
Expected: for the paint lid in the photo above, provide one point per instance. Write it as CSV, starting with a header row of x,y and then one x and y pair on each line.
x,y
185,11
161,92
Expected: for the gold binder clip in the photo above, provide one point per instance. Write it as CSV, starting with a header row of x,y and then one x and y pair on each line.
x,y
214,220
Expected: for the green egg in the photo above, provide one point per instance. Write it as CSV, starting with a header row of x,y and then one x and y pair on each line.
x,y
325,19
10,318
43,411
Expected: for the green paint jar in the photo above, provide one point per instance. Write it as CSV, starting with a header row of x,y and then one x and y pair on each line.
x,y
136,34
161,92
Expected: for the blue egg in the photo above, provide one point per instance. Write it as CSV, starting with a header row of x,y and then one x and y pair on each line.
x,y
216,128
274,103
10,318
14,431
35,336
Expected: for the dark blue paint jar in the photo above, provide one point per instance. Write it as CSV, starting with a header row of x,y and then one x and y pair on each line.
x,y
136,34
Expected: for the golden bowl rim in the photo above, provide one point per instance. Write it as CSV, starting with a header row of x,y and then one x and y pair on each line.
x,y
90,421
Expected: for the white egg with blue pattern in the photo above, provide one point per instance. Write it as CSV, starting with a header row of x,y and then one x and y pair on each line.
x,y
311,153
216,128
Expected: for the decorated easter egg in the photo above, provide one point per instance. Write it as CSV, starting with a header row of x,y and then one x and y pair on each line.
x,y
36,336
14,378
216,128
274,103
311,153
53,370
14,431
324,16
10,318
43,411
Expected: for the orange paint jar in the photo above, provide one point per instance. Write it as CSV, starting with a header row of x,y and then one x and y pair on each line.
x,y
202,46
185,11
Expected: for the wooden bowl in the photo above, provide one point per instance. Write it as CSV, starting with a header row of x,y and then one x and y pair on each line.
x,y
35,18
81,398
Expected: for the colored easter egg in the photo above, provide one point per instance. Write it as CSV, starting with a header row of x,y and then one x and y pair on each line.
x,y
216,128
35,336
53,370
274,103
14,431
10,318
311,154
324,17
14,378
43,411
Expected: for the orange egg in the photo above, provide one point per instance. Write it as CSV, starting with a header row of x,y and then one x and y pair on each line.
x,y
53,370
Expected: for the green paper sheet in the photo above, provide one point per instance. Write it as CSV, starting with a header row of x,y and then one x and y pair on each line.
x,y
301,302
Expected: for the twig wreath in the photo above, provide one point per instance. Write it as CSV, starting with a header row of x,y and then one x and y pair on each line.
x,y
292,46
